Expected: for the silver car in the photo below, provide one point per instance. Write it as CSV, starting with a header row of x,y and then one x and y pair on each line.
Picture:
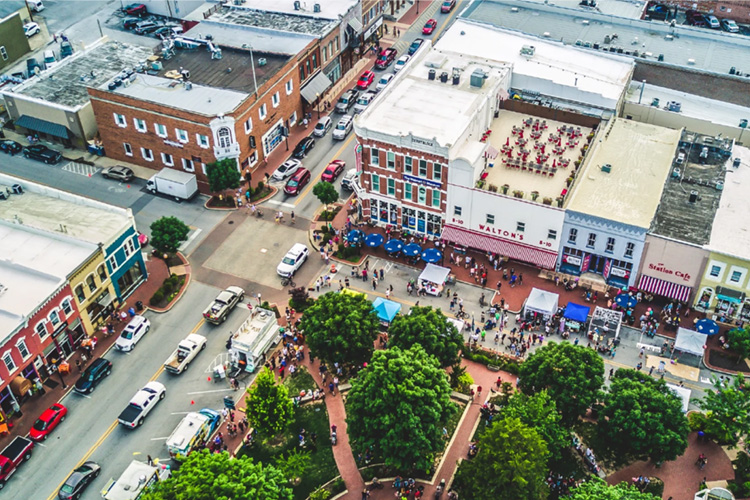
x,y
118,172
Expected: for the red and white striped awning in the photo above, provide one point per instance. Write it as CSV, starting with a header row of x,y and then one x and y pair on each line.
x,y
491,152
506,248
664,288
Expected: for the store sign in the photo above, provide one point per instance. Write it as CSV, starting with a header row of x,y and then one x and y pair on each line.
x,y
422,142
661,268
173,144
420,180
377,24
569,259
622,273
500,232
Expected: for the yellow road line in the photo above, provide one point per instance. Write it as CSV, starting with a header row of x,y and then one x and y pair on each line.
x,y
454,13
113,425
317,177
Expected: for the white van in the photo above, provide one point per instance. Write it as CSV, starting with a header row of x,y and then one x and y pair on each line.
x,y
35,5
49,59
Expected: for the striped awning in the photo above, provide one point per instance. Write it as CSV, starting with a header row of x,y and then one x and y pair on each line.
x,y
664,288
506,248
491,152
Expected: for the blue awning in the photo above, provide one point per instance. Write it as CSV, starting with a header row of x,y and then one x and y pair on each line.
x,y
576,312
724,293
386,309
43,126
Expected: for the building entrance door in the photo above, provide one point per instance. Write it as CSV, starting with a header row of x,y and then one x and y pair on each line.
x,y
597,264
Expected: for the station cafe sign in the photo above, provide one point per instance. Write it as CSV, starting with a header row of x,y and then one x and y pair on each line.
x,y
672,261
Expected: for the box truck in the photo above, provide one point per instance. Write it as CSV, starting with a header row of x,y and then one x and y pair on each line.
x,y
173,183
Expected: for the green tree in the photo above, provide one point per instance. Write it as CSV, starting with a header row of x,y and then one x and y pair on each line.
x,y
431,329
398,406
294,464
167,233
222,175
326,193
739,342
209,476
269,407
511,464
727,410
643,418
596,489
573,376
539,412
341,327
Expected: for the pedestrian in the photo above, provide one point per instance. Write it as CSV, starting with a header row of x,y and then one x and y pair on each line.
x,y
479,391
643,349
332,388
520,278
650,371
336,382
305,122
611,372
78,365
150,460
374,283
381,274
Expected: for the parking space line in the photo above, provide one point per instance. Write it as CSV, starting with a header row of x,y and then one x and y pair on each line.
x,y
81,169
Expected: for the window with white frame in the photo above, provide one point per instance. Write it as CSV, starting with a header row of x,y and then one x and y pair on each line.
x,y
520,227
551,234
422,195
202,140
167,159
325,53
572,235
102,272
289,86
129,247
489,219
140,125
91,282
112,262
629,249
391,187
66,306
390,157
407,165
735,277
161,130
188,165
23,349
737,274
263,112
182,135
436,198
120,120
9,363
374,157
3,53
276,100
457,210
423,168
54,317
248,125
437,171
80,294
592,240
41,329
407,191
375,179
225,137
147,154
610,245
128,149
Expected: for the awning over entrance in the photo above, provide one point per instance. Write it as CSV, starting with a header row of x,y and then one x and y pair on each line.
x,y
664,288
315,87
505,248
723,293
355,24
43,126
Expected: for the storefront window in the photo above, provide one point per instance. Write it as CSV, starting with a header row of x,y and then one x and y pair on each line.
x,y
409,218
130,279
434,224
394,214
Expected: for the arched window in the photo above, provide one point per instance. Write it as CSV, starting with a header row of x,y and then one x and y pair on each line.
x,y
225,137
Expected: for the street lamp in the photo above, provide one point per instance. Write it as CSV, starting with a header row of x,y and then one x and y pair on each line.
x,y
166,261
318,96
252,65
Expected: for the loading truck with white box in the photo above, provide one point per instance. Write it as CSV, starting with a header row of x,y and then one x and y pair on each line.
x,y
173,183
134,480
195,429
253,339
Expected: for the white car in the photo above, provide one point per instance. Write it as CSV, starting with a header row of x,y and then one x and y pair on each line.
x,y
293,260
287,169
141,404
31,29
323,126
134,332
401,63
364,101
384,80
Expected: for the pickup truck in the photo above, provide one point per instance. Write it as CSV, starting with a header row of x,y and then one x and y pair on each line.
x,y
219,309
18,451
142,404
186,350
386,57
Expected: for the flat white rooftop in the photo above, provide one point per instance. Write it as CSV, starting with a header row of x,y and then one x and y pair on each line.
x,y
209,101
730,233
641,157
329,9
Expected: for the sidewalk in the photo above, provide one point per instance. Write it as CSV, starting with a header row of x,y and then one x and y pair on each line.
x,y
54,390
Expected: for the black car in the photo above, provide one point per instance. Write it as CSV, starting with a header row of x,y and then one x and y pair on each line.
x,y
10,147
92,375
415,46
303,147
42,153
131,22
78,480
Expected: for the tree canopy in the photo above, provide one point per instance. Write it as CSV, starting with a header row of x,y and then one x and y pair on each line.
x,y
573,376
511,464
643,418
341,327
596,489
269,407
727,410
739,342
540,413
326,192
398,406
431,329
222,175
168,233
215,476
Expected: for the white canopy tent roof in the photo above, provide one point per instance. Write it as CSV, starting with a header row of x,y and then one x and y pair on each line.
x,y
690,341
435,274
542,302
683,393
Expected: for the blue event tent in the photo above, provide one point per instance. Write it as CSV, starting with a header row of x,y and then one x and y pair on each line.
x,y
576,312
386,309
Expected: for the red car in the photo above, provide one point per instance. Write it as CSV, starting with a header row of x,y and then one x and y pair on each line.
x,y
447,6
136,9
333,170
47,421
365,80
429,27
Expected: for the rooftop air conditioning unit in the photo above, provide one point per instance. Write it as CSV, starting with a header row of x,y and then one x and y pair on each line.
x,y
585,22
444,76
431,74
528,50
296,5
606,168
316,7
693,196
477,78
514,9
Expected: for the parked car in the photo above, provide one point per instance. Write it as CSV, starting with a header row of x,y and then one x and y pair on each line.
x,y
10,147
350,179
343,127
401,63
42,153
130,23
713,22
303,147
47,421
118,172
78,480
415,45
93,375
146,27
695,18
363,101
730,26
168,31
218,310
293,260
447,6
141,404
384,80
386,57
365,80
333,170
31,29
658,11
429,27
136,9
297,182
323,126
133,332
347,100
17,452
286,169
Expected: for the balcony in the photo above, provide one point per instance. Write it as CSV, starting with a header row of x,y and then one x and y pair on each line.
x,y
231,151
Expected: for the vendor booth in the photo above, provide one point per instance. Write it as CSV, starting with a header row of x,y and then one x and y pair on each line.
x,y
540,302
433,279
690,342
683,393
575,316
386,310
605,322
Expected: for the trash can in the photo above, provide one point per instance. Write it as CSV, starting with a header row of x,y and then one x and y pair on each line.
x,y
139,305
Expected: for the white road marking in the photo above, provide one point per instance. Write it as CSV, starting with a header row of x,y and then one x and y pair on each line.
x,y
220,359
160,439
180,412
208,392
280,203
81,169
192,236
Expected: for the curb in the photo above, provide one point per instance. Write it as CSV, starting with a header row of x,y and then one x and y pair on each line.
x,y
188,280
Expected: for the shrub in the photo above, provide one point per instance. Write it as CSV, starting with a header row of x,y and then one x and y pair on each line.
x,y
167,287
156,298
505,363
261,185
655,487
697,421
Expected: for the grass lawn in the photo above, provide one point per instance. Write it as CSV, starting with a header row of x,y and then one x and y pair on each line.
x,y
301,381
313,417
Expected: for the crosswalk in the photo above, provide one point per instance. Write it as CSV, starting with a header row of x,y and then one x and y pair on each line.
x,y
81,169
